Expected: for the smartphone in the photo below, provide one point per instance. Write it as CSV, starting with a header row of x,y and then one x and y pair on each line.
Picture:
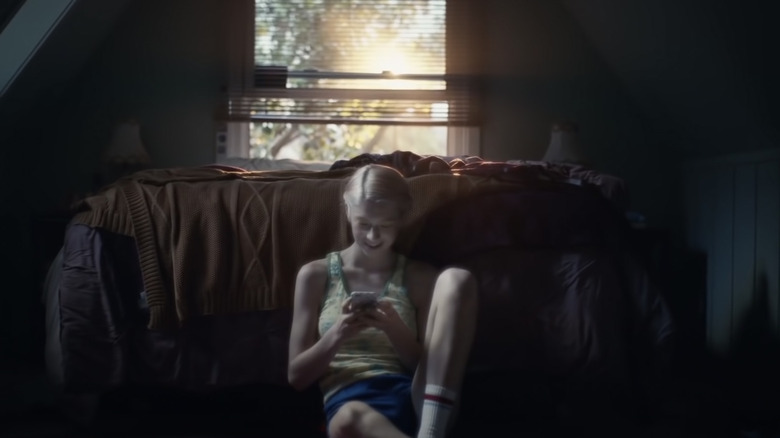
x,y
363,299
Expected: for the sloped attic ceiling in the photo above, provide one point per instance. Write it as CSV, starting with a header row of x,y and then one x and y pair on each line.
x,y
704,71
8,10
44,44
26,25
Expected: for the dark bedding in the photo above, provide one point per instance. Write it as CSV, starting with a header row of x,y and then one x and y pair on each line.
x,y
104,342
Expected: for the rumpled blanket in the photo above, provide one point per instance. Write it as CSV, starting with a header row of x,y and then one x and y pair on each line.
x,y
522,171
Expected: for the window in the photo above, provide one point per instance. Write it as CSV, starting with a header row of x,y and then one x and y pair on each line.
x,y
330,79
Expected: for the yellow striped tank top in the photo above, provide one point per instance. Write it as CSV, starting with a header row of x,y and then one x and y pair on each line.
x,y
369,353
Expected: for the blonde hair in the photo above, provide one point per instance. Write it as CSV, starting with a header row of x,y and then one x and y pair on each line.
x,y
378,183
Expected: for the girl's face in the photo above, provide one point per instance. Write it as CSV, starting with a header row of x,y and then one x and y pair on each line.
x,y
375,225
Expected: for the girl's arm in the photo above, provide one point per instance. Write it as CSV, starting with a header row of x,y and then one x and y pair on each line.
x,y
309,357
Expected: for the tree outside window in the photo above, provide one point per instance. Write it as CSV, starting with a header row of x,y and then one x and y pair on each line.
x,y
330,73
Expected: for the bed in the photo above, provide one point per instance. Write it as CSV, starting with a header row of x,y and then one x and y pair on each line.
x,y
180,280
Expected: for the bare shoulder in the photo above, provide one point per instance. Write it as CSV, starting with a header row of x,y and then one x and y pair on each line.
x,y
314,267
311,278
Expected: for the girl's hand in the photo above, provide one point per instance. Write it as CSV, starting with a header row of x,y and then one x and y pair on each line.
x,y
383,317
349,323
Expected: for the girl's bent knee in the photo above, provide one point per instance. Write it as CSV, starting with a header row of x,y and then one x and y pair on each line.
x,y
458,283
345,423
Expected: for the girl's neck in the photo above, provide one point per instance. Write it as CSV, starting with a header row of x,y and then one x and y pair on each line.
x,y
354,256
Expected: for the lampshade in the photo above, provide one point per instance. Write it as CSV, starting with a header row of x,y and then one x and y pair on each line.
x,y
126,146
564,144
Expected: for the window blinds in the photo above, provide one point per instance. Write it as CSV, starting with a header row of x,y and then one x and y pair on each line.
x,y
398,62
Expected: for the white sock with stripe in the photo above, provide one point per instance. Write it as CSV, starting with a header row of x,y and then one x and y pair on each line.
x,y
438,404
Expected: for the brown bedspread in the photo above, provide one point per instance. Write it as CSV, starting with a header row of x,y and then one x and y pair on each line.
x,y
212,241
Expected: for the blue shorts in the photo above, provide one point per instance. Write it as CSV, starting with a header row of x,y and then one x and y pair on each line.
x,y
390,395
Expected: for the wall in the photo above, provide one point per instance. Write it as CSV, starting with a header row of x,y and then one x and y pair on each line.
x,y
697,68
542,68
733,216
160,63
162,67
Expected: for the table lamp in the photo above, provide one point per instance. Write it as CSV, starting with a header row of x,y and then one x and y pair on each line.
x,y
125,153
564,144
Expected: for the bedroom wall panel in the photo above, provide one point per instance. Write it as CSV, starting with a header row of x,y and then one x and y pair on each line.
x,y
720,266
732,214
744,241
768,237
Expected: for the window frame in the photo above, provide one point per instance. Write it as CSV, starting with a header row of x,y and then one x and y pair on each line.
x,y
232,137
